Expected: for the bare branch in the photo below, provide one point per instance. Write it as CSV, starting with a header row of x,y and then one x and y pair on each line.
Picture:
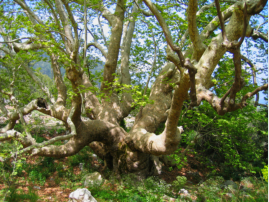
x,y
250,94
154,61
85,34
55,17
62,35
254,69
213,25
224,97
98,46
160,19
145,13
204,8
37,147
215,102
15,40
99,6
66,25
187,64
101,28
221,20
32,15
74,25
233,47
41,85
185,35
58,79
70,122
256,34
3,108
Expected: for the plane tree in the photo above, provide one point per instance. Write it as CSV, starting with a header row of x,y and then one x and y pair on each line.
x,y
177,45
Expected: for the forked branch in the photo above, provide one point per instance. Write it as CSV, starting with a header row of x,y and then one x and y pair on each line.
x,y
233,47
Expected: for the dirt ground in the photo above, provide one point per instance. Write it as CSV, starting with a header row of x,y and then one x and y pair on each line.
x,y
50,191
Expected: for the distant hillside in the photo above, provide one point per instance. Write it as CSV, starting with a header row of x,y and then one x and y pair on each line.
x,y
46,67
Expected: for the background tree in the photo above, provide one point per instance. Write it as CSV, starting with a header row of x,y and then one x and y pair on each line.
x,y
176,43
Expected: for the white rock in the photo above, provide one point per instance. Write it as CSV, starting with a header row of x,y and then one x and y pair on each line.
x,y
230,195
81,195
81,165
93,179
167,198
183,191
94,155
36,187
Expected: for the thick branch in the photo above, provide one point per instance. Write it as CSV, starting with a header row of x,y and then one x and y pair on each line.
x,y
74,25
114,47
36,148
140,137
26,46
198,45
10,134
125,74
161,93
180,95
103,131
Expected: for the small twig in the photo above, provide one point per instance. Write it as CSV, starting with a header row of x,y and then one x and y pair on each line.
x,y
224,97
15,40
221,20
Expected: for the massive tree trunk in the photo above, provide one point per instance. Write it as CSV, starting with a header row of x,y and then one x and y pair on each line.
x,y
181,78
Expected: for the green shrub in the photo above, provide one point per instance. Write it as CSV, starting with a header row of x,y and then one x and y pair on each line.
x,y
234,142
179,182
81,157
18,127
265,173
15,194
35,176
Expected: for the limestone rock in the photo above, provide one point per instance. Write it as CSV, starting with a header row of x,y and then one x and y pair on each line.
x,y
81,195
93,179
229,183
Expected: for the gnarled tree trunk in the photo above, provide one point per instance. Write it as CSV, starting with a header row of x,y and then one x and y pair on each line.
x,y
181,78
